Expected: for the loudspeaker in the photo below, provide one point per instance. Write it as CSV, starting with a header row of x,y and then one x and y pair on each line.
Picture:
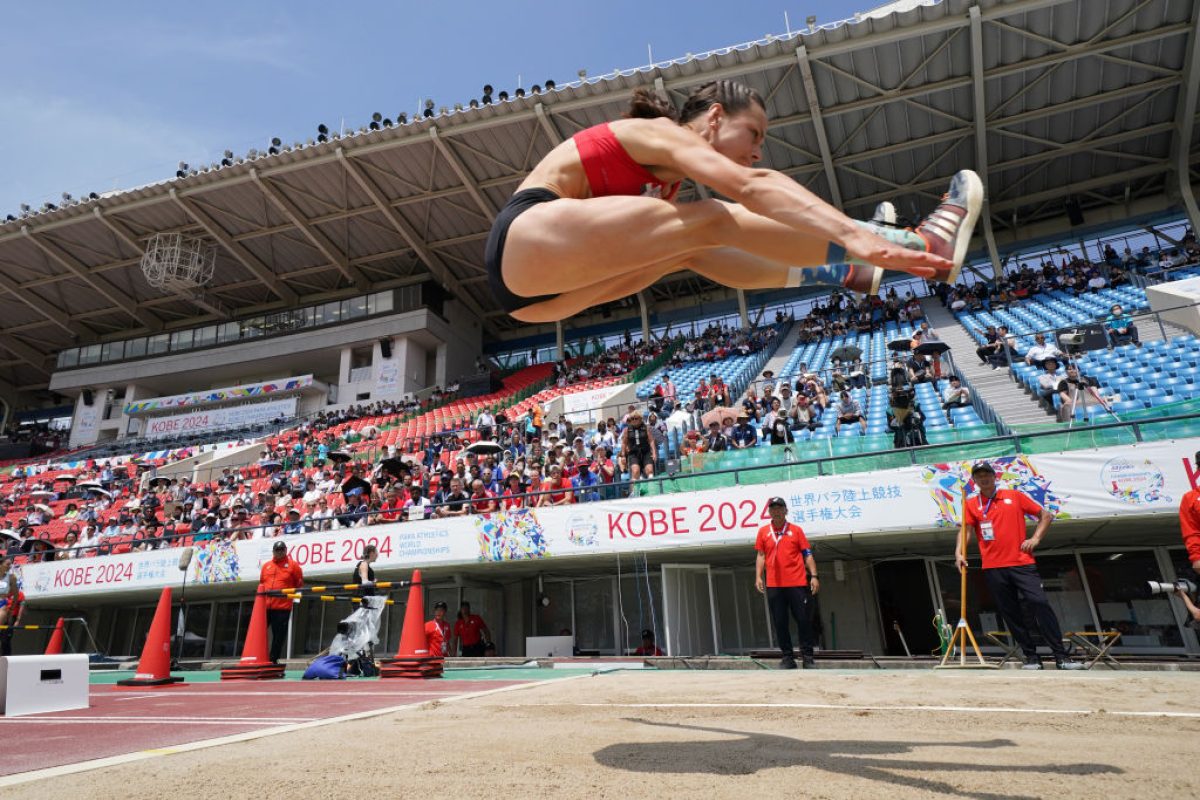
x,y
88,397
1074,212
385,348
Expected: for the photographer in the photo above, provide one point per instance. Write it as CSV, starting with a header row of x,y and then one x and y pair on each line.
x,y
1182,594
905,419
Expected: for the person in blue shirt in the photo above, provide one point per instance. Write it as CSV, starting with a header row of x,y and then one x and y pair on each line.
x,y
586,484
1121,329
744,434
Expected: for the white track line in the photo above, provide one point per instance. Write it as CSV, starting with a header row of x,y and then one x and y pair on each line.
x,y
847,707
127,758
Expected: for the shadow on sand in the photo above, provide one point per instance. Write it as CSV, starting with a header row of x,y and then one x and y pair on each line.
x,y
747,753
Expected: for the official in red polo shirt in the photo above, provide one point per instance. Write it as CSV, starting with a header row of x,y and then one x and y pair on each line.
x,y
471,632
437,631
998,518
1189,523
787,573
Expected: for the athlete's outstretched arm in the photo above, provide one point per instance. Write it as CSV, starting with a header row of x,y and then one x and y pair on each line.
x,y
774,195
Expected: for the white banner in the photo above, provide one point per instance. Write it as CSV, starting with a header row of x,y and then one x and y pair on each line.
x,y
213,418
387,377
1122,481
585,406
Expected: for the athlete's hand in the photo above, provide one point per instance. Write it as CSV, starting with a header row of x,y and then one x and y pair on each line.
x,y
870,249
758,584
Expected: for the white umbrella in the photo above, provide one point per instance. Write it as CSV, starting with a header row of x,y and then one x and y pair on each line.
x,y
41,493
43,507
89,485
369,430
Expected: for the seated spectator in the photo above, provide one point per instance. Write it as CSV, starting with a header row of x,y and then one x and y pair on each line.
x,y
744,434
452,502
1040,351
990,346
957,396
586,483
417,506
1048,381
804,415
482,501
849,412
293,524
513,495
716,441
1006,351
780,433
1121,329
559,488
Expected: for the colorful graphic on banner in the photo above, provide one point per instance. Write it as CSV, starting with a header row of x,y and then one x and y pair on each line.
x,y
1134,482
1012,472
213,396
215,561
1077,485
513,535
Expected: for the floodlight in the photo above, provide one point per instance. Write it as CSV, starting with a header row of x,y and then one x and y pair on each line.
x,y
402,118
275,145
535,89
550,86
503,96
474,103
227,161
322,133
376,117
182,171
520,92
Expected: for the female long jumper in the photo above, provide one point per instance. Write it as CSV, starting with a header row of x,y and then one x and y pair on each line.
x,y
596,220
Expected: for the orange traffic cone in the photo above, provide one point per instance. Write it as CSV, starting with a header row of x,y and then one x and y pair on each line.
x,y
256,664
413,659
154,668
55,646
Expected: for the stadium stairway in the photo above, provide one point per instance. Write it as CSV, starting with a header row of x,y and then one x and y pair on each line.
x,y
995,387
777,361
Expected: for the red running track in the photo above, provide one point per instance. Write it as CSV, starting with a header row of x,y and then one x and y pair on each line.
x,y
122,721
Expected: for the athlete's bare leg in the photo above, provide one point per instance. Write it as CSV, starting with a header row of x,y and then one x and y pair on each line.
x,y
725,265
565,244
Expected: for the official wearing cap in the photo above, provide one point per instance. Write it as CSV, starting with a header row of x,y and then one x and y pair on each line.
x,y
787,573
281,572
998,517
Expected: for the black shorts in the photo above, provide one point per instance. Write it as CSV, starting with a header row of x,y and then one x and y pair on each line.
x,y
642,457
493,253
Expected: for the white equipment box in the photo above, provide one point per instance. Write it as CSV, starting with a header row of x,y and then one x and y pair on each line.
x,y
38,684
549,646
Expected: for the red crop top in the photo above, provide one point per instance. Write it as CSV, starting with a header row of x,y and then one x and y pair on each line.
x,y
611,171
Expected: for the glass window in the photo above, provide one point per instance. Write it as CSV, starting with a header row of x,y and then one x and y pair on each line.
x,y
1118,584
229,332
89,354
113,351
68,358
135,348
205,336
181,340
356,307
594,602
158,343
252,328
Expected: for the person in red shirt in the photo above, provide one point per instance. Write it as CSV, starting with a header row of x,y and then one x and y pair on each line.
x,y
437,631
513,496
281,572
557,482
471,632
1189,524
786,572
998,518
648,648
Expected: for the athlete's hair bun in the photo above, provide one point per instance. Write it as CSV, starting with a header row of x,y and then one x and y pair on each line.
x,y
647,104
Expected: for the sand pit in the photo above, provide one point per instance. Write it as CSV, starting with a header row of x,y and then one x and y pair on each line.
x,y
822,734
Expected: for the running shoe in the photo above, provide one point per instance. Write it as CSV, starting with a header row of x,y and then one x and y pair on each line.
x,y
947,231
1032,663
1067,663
809,662
885,214
787,662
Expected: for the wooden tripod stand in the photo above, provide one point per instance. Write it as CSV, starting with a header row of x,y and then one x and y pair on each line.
x,y
962,632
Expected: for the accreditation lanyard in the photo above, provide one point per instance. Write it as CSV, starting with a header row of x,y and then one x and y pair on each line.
x,y
985,526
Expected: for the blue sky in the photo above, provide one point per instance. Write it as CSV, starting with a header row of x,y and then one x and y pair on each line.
x,y
100,96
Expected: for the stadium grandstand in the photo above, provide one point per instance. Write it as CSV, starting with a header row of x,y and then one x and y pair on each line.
x,y
300,344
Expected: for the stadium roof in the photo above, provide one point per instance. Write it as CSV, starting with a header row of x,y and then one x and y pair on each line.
x,y
1090,99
